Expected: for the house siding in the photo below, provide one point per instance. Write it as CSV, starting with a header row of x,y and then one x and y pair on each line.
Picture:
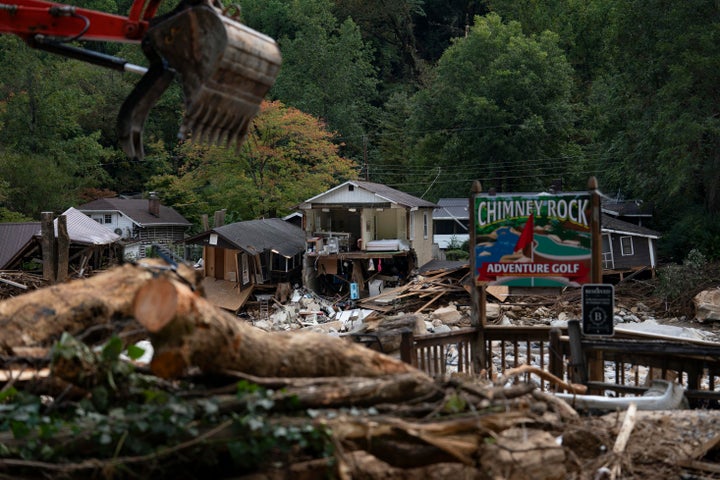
x,y
421,242
641,253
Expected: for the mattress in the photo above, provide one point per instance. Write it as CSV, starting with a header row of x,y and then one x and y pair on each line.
x,y
388,245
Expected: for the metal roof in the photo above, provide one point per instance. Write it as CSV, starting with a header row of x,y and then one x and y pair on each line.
x,y
256,236
83,229
137,210
16,238
13,237
452,208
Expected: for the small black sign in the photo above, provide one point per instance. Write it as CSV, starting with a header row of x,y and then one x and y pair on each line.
x,y
598,304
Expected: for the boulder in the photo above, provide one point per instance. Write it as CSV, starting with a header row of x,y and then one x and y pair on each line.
x,y
492,310
707,305
448,315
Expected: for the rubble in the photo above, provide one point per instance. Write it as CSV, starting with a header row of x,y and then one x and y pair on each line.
x,y
390,426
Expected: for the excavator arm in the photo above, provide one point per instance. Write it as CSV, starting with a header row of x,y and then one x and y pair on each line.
x,y
225,68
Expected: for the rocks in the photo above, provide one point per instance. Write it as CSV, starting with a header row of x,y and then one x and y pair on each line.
x,y
707,305
448,315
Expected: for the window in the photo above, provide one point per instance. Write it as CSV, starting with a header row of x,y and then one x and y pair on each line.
x,y
626,246
425,225
108,218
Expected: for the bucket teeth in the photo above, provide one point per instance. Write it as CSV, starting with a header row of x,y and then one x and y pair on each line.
x,y
226,70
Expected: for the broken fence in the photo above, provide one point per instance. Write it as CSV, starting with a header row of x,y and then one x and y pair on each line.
x,y
622,365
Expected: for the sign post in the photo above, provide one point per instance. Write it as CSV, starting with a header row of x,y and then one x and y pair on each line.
x,y
598,305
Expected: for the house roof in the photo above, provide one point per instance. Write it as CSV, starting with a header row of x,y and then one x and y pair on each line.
x,y
626,208
83,229
452,209
611,224
14,237
136,210
379,194
256,236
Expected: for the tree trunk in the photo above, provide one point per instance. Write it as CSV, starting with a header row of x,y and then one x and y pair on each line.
x,y
39,317
186,330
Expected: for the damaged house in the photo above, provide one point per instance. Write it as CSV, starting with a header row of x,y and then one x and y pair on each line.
x,y
242,257
629,248
141,223
91,246
364,234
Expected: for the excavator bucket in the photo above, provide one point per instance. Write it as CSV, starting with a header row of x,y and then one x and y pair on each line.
x,y
225,68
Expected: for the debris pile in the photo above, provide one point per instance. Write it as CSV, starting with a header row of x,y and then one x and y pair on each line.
x,y
221,398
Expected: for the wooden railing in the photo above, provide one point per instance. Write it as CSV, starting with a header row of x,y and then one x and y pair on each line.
x,y
430,353
624,364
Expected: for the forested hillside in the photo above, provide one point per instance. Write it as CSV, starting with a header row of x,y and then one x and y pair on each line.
x,y
423,96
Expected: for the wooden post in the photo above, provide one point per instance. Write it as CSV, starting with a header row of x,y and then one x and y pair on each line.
x,y
596,250
219,219
47,244
595,371
204,222
577,356
555,363
407,348
478,295
63,250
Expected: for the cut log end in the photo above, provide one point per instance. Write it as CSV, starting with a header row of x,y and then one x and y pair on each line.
x,y
155,304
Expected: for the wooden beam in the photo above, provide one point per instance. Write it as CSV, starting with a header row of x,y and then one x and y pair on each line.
x,y
63,250
47,244
430,302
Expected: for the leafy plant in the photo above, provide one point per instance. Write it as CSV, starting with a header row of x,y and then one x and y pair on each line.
x,y
131,425
678,284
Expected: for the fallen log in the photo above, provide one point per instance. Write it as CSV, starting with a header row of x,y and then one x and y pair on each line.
x,y
333,392
39,317
188,331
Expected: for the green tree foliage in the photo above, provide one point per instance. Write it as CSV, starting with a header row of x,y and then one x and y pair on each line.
x,y
440,22
388,27
391,167
496,108
288,157
327,69
584,28
46,156
659,134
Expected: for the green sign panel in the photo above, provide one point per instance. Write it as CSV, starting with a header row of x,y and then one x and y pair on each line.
x,y
533,240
